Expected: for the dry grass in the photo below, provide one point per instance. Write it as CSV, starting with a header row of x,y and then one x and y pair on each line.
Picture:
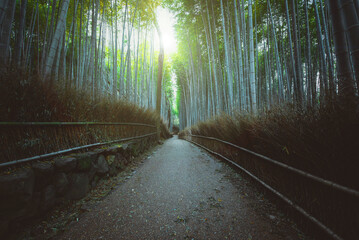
x,y
321,141
26,99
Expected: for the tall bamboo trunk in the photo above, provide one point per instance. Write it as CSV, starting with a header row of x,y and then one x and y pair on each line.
x,y
252,77
60,29
20,36
159,80
228,67
350,21
239,53
5,32
345,87
323,64
278,62
122,63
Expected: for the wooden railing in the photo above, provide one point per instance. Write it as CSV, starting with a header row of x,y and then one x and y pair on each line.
x,y
294,186
29,141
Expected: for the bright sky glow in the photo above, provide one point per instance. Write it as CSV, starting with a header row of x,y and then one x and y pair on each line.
x,y
166,22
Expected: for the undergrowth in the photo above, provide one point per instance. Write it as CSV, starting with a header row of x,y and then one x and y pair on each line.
x,y
322,141
25,98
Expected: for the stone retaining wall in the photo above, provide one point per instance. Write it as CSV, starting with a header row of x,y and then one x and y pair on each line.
x,y
32,190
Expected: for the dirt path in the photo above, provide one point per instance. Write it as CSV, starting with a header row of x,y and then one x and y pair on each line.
x,y
181,192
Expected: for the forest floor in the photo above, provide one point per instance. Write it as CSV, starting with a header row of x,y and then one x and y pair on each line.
x,y
178,192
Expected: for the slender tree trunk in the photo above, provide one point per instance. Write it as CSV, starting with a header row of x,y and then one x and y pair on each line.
x,y
20,35
310,82
69,79
114,86
44,42
321,49
350,20
58,56
60,29
328,52
217,94
229,72
3,9
79,50
92,64
137,62
252,78
278,63
292,58
29,39
5,33
239,53
85,55
122,64
346,87
221,83
51,33
143,74
356,4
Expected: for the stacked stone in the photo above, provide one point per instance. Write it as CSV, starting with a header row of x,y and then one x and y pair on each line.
x,y
30,191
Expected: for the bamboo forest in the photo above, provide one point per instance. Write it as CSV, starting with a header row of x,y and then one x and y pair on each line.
x,y
179,119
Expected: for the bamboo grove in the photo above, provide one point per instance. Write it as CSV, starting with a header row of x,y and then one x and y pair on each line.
x,y
247,56
104,47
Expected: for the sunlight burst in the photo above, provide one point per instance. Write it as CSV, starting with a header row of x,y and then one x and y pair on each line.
x,y
166,22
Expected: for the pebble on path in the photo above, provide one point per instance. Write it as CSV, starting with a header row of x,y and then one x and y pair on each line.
x,y
181,192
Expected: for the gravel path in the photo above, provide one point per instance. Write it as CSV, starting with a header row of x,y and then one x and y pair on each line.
x,y
181,192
